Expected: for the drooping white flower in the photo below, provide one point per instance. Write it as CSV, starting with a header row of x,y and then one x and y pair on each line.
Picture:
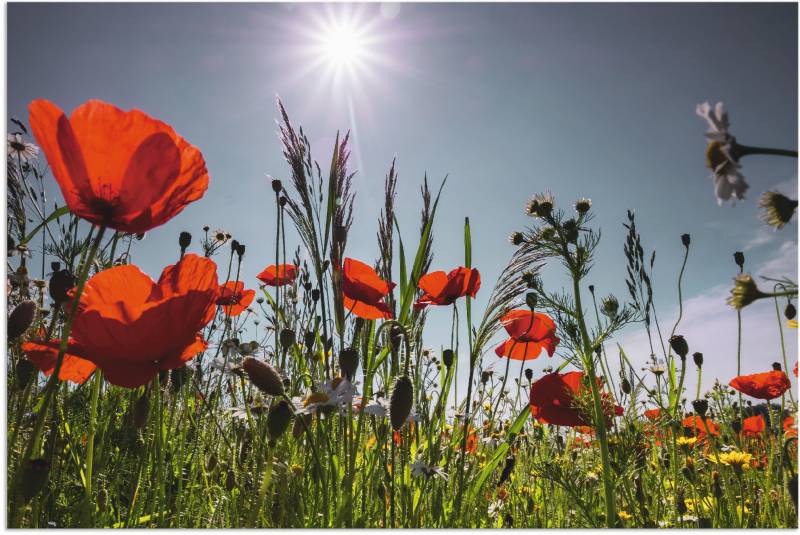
x,y
335,394
20,149
729,182
420,468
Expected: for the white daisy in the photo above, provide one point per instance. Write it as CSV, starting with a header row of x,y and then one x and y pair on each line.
x,y
18,148
337,393
728,179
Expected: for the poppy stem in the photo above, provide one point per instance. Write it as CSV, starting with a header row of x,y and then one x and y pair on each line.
x,y
96,384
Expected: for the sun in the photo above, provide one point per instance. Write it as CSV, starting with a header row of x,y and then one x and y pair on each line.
x,y
343,45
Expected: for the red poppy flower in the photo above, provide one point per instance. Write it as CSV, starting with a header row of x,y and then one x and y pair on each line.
x,y
553,400
530,332
652,414
472,442
44,354
124,170
795,369
132,327
767,385
695,424
234,298
364,290
440,288
789,427
278,275
753,426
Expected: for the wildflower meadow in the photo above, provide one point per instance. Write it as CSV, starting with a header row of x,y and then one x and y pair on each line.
x,y
311,396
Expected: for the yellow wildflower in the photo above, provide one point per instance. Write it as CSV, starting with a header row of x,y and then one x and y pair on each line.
x,y
686,441
624,516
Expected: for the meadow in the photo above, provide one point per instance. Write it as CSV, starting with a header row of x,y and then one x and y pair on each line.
x,y
138,402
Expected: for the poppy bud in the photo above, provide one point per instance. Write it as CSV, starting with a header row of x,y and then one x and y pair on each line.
x,y
685,240
626,385
25,372
61,282
507,469
348,362
401,401
485,375
738,257
240,250
698,359
21,319
308,339
301,423
234,245
448,357
700,407
265,377
790,311
287,338
280,414
528,374
315,294
736,425
679,345
276,185
34,478
530,300
141,409
184,240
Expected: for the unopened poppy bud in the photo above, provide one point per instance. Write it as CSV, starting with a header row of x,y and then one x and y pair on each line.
x,y
315,294
184,240
790,311
34,478
348,362
448,357
240,250
140,236
528,374
507,469
280,414
698,359
485,375
776,366
287,337
277,186
626,385
700,407
531,300
265,377
401,401
685,240
736,425
738,257
234,245
141,410
395,336
21,319
282,201
679,345
61,282
25,372
308,339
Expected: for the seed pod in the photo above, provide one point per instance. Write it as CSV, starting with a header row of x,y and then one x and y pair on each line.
x,y
184,240
141,409
61,282
790,311
348,362
448,357
738,257
485,375
528,374
25,372
280,414
626,385
301,423
776,366
21,319
400,402
679,345
700,407
34,478
686,240
276,185
287,338
507,469
531,300
265,377
698,359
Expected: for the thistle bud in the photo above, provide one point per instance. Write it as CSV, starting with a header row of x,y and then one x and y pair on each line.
x,y
698,359
61,282
679,345
348,362
25,372
790,311
401,401
184,240
583,205
738,257
448,357
287,338
610,306
34,478
685,240
265,377
21,319
280,414
700,407
141,410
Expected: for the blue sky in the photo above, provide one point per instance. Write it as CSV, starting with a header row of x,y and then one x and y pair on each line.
x,y
585,100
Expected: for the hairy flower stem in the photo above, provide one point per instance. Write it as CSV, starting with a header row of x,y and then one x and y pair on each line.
x,y
599,415
783,345
89,505
262,491
745,150
52,384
